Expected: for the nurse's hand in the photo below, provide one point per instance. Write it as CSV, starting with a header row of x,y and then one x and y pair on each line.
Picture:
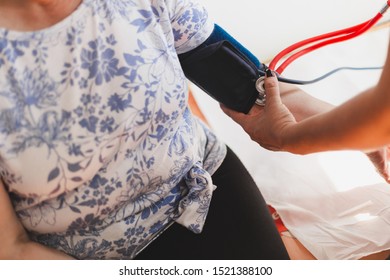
x,y
381,159
268,125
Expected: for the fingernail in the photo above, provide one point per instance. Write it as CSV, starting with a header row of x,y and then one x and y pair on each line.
x,y
269,73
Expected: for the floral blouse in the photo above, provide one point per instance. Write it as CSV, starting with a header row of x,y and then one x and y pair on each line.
x,y
98,148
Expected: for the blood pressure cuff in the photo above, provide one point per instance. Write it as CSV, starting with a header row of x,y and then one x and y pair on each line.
x,y
225,70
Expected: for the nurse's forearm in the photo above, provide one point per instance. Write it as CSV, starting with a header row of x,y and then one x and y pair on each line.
x,y
361,123
301,104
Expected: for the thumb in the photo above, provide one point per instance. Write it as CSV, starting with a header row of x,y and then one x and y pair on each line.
x,y
271,85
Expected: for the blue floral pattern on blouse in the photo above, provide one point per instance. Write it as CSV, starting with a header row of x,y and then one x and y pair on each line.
x,y
98,148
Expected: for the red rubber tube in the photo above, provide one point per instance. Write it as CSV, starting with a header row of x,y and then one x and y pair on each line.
x,y
302,43
327,39
295,56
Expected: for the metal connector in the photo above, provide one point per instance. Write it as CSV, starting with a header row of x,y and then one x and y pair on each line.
x,y
384,9
261,90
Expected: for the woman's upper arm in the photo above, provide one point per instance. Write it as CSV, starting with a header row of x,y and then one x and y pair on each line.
x,y
190,23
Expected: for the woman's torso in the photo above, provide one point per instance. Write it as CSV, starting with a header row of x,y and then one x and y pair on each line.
x,y
98,147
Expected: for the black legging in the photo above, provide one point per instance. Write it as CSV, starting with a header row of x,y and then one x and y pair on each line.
x,y
238,225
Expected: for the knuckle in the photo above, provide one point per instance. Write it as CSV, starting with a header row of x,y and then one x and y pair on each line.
x,y
270,84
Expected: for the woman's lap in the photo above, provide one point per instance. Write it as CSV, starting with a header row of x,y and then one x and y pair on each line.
x,y
238,225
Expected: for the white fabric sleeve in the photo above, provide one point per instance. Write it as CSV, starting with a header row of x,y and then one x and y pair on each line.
x,y
191,25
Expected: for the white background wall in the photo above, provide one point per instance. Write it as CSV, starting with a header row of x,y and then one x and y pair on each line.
x,y
267,27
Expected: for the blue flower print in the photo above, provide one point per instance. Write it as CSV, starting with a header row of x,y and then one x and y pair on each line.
x,y
83,83
89,123
78,111
40,54
177,34
13,53
130,232
85,99
149,190
184,18
12,49
49,126
42,213
107,125
75,150
85,226
182,164
179,144
195,228
26,90
144,22
161,117
156,227
32,88
11,121
117,103
101,62
160,133
111,40
3,44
